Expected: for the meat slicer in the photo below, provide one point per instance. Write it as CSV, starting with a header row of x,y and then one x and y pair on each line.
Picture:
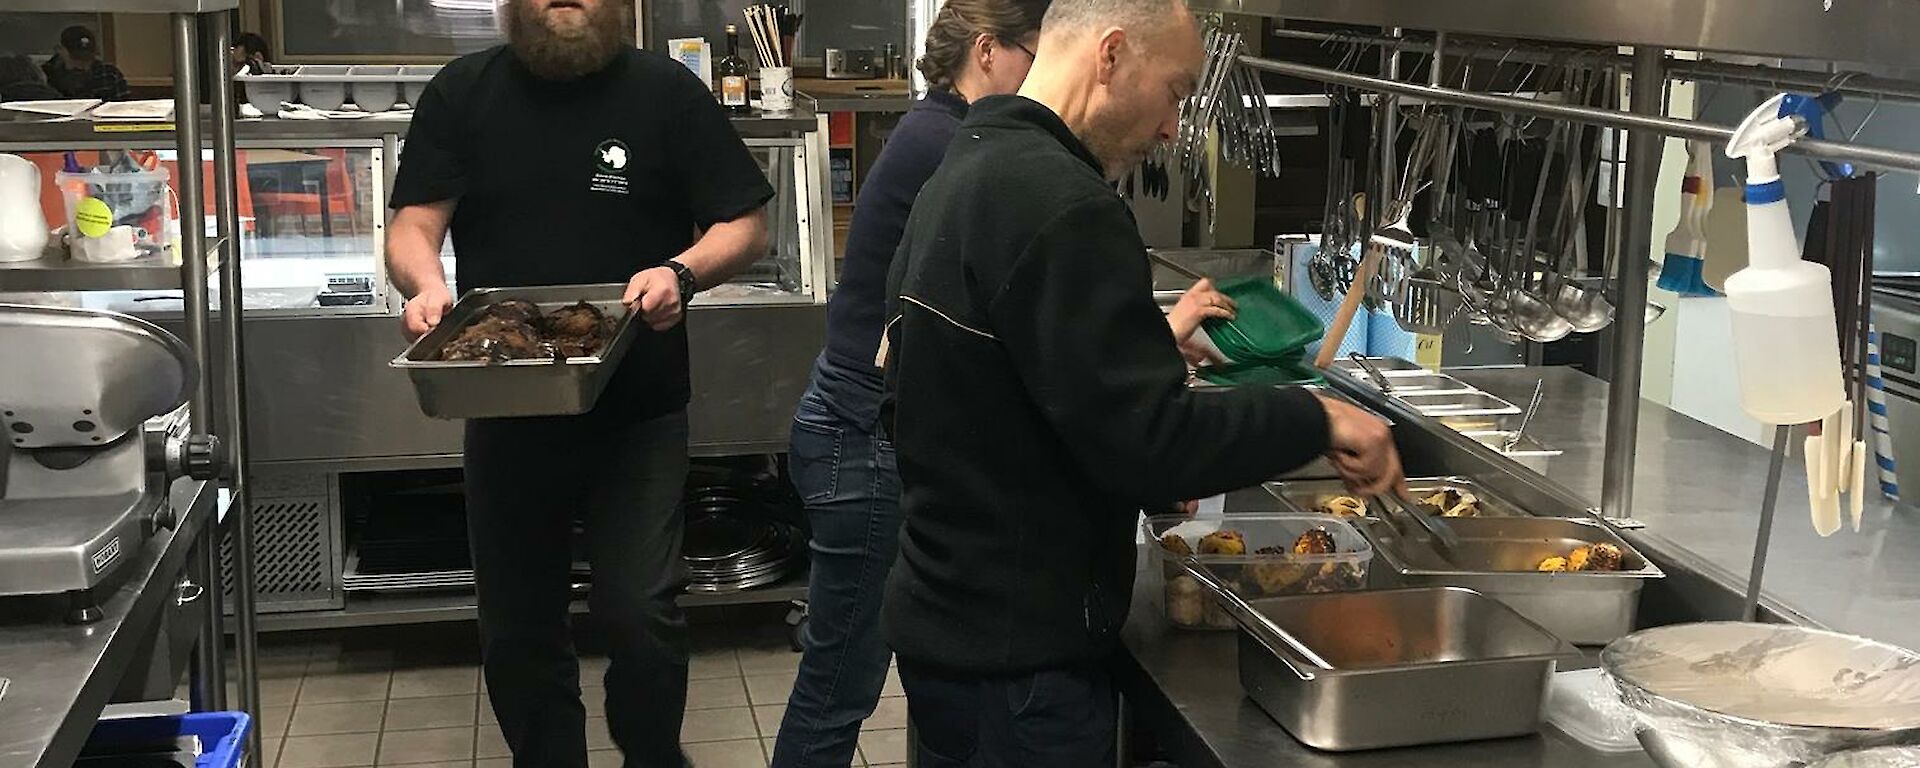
x,y
92,435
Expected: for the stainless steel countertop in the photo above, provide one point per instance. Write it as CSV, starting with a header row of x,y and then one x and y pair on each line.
x,y
1698,490
63,675
1186,686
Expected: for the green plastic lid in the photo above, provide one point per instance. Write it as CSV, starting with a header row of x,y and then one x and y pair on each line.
x,y
1268,326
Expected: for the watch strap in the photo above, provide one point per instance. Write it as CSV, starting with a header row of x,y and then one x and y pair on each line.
x,y
688,284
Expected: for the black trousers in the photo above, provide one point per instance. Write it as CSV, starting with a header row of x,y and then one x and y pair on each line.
x,y
526,478
1060,718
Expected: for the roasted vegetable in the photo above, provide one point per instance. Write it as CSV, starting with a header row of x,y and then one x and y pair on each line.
x,y
1314,542
1580,559
1452,502
1344,506
1278,577
1186,601
1176,544
1228,542
1607,557
1552,565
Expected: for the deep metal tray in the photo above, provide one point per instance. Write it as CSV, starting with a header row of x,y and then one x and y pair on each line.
x,y
477,389
1497,558
1396,668
1308,496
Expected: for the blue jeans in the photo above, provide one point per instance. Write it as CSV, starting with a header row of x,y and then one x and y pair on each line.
x,y
847,477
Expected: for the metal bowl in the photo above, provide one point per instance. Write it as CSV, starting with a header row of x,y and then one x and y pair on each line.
x,y
1739,695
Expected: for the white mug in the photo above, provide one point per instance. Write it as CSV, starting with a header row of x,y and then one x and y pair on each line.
x,y
776,89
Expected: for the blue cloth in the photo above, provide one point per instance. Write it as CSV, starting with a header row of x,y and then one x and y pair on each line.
x,y
846,475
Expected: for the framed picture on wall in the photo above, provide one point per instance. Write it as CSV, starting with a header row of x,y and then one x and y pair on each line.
x,y
384,31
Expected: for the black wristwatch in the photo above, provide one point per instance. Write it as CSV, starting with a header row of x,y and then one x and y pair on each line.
x,y
688,285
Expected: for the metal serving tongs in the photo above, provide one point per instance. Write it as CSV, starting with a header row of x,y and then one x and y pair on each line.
x,y
1440,535
1256,624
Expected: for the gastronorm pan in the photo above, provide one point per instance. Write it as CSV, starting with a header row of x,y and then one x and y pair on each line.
x,y
1345,671
474,389
1496,557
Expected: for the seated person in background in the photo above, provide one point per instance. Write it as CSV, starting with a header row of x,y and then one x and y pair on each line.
x,y
249,55
77,71
20,80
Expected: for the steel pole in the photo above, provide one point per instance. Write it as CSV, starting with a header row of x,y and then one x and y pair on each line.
x,y
1686,129
219,31
1769,502
1629,315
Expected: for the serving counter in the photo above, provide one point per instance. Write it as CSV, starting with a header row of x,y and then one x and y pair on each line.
x,y
1697,497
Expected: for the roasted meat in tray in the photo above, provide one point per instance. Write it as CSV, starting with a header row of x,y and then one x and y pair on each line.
x,y
518,330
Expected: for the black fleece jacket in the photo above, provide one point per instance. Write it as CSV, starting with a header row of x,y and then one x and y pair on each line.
x,y
1038,402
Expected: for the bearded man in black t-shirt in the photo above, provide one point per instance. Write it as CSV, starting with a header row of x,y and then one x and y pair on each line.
x,y
568,156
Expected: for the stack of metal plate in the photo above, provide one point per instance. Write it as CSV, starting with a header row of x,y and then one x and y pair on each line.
x,y
730,546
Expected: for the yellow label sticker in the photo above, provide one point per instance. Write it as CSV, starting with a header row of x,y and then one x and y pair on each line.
x,y
92,217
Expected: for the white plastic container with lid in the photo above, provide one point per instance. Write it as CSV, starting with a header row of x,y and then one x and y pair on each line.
x,y
1786,347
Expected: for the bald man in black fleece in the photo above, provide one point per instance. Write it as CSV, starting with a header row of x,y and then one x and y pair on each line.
x,y
1039,403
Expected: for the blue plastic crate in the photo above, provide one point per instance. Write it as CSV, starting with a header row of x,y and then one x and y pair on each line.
x,y
223,735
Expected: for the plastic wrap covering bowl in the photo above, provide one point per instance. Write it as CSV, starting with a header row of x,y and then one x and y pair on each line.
x,y
1876,757
1739,695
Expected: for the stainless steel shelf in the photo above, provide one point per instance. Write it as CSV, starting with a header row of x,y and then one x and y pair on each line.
x,y
17,133
391,609
151,273
1862,31
121,6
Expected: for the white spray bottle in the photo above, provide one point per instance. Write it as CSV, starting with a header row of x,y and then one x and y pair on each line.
x,y
1785,344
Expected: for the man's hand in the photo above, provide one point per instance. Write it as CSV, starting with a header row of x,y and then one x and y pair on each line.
x,y
1360,447
654,294
424,310
1200,302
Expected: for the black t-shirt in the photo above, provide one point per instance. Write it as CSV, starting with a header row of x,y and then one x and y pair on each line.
x,y
585,181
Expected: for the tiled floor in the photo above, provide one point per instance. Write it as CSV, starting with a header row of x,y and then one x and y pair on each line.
x,y
414,696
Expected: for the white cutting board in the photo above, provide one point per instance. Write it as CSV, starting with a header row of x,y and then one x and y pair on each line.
x,y
1726,238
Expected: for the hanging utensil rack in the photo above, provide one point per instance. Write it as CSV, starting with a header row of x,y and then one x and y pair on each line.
x,y
1589,33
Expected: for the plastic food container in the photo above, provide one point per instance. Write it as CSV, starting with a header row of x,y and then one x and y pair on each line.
x,y
116,216
375,88
1254,574
319,87
267,92
1268,324
414,79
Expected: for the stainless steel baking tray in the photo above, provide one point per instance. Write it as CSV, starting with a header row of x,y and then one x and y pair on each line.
x,y
1396,668
1310,496
1497,556
1473,403
471,389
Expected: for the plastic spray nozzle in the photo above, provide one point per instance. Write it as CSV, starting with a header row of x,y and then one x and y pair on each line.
x,y
1768,129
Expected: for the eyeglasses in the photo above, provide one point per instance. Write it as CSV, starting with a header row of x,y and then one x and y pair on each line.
x,y
1023,49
